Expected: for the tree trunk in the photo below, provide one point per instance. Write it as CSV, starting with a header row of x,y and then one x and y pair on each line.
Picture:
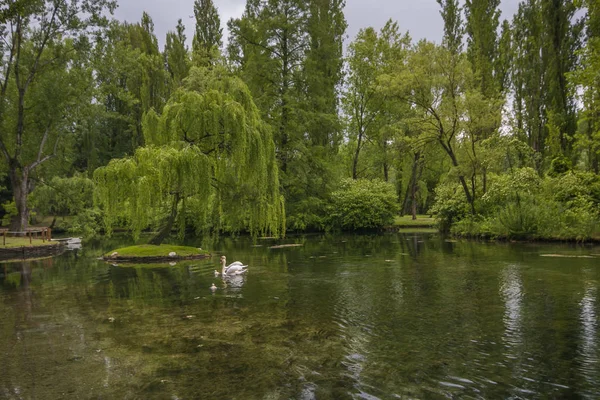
x,y
418,171
385,163
414,202
484,180
411,189
470,197
356,154
19,181
166,229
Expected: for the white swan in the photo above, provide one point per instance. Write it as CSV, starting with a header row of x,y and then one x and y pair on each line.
x,y
235,268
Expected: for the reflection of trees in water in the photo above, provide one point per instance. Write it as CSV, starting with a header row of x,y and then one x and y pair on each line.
x,y
512,292
44,336
515,356
589,335
346,323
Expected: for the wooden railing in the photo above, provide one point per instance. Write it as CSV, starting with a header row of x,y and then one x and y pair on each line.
x,y
44,234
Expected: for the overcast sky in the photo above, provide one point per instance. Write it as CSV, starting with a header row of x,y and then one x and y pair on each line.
x,y
420,17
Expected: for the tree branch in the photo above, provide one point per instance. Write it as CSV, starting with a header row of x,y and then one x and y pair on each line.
x,y
44,138
46,158
41,49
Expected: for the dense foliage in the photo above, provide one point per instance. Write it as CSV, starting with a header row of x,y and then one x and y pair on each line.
x,y
363,204
206,157
522,205
494,130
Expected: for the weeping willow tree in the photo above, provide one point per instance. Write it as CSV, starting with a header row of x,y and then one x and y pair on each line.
x,y
209,162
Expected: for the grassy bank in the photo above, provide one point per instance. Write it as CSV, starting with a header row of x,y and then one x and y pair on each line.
x,y
422,221
12,242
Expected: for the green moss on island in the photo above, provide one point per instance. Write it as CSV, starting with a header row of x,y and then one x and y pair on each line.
x,y
156,253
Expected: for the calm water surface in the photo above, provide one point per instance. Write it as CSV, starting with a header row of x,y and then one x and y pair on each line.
x,y
342,317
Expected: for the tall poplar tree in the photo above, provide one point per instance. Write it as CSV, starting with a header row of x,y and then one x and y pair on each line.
x,y
269,44
482,20
451,14
289,52
528,77
326,26
208,35
321,82
176,55
545,52
586,82
560,43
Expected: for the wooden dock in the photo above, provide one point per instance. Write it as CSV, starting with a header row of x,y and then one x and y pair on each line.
x,y
45,234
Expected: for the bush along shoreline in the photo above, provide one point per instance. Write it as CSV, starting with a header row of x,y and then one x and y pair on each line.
x,y
524,206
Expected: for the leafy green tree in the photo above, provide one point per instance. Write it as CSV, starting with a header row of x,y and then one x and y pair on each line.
x,y
73,196
208,36
561,41
368,109
320,81
448,109
503,60
545,110
326,26
586,82
453,25
176,55
208,155
482,21
63,196
130,79
270,48
42,80
528,76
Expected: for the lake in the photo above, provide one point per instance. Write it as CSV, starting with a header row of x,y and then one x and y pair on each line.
x,y
407,315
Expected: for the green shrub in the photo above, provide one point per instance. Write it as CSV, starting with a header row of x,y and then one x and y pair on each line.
x,y
68,197
478,227
363,204
63,196
10,210
559,166
88,223
308,214
519,219
450,205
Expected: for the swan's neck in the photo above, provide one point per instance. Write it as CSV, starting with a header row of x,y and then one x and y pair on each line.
x,y
224,262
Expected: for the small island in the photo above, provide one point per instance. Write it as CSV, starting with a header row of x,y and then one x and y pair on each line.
x,y
148,253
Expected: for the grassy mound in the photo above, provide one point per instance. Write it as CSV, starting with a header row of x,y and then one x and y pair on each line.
x,y
151,251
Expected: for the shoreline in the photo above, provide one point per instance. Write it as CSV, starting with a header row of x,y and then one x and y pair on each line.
x,y
27,252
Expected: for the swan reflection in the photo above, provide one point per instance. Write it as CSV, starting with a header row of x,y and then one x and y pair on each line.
x,y
234,281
